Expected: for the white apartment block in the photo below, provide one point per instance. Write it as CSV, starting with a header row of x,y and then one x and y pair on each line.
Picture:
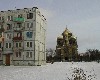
x,y
22,37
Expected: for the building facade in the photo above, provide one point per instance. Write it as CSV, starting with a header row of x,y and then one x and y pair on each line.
x,y
22,37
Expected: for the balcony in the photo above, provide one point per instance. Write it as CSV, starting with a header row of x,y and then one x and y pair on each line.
x,y
18,29
17,38
17,48
7,30
16,19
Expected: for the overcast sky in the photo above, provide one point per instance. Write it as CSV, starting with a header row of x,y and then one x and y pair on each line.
x,y
82,17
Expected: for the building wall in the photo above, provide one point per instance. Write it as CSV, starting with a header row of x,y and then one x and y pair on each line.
x,y
40,37
37,41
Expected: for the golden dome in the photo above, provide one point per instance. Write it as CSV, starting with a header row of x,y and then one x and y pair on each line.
x,y
60,37
66,32
74,37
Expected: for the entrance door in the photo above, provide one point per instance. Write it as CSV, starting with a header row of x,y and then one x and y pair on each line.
x,y
8,59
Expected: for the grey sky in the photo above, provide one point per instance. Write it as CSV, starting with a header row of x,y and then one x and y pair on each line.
x,y
81,16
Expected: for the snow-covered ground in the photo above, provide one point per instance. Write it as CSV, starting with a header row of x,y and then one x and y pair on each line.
x,y
56,71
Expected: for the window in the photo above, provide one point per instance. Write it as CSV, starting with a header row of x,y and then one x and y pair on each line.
x,y
19,34
29,34
8,36
9,26
8,45
29,15
29,25
0,54
29,44
10,18
20,16
2,18
19,25
18,45
29,54
18,54
0,45
1,26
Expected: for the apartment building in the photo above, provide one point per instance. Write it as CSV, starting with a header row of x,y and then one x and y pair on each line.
x,y
22,37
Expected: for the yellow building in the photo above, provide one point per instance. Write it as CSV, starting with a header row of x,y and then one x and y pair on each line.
x,y
66,48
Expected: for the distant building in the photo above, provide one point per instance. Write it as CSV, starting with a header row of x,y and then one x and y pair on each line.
x,y
67,47
22,37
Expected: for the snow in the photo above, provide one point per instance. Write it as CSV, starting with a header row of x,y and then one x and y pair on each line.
x,y
56,71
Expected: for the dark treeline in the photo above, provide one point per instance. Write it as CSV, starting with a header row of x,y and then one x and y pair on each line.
x,y
50,54
88,56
